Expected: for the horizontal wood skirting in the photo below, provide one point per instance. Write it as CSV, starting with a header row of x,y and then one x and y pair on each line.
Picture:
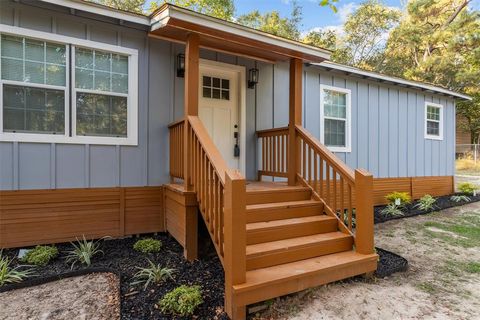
x,y
416,187
31,217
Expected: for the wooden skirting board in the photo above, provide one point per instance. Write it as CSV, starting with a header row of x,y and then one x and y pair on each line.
x,y
30,217
416,187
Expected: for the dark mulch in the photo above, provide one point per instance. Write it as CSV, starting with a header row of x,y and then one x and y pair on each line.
x,y
119,257
410,210
389,263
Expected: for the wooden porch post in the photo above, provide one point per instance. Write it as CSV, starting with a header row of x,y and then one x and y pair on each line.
x,y
364,243
235,242
191,99
295,117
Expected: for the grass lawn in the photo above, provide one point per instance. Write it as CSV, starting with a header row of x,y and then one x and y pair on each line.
x,y
443,281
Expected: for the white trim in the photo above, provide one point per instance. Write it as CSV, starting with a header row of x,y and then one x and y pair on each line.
x,y
419,85
440,122
161,19
242,104
102,10
132,111
348,120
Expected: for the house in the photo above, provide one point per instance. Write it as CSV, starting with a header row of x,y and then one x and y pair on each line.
x,y
113,123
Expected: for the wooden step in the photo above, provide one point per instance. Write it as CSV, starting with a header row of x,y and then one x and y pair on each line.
x,y
260,232
273,253
293,193
266,283
283,210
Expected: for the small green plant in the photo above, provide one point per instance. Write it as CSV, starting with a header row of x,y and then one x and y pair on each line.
x,y
40,255
392,210
182,300
12,275
83,251
153,273
148,245
467,188
459,198
398,198
425,203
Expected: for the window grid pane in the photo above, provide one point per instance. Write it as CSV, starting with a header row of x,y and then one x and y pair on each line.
x,y
215,88
335,118
33,110
433,113
433,128
100,70
335,133
33,61
101,115
335,104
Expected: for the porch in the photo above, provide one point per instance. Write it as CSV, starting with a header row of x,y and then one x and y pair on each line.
x,y
273,238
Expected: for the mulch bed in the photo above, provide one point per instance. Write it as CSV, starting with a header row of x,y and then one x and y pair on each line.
x,y
410,210
389,263
136,303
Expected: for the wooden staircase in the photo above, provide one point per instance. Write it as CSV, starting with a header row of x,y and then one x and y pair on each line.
x,y
293,245
276,238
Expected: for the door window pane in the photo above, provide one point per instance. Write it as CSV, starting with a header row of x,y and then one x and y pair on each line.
x,y
216,88
101,115
33,110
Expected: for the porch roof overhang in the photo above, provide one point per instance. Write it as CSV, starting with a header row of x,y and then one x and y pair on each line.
x,y
174,23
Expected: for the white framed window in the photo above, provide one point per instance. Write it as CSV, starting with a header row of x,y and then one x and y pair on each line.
x,y
433,121
335,118
61,89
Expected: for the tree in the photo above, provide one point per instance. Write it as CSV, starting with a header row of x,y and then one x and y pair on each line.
x,y
272,22
223,9
126,5
365,32
470,112
329,3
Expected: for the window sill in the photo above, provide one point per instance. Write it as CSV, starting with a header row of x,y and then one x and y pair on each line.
x,y
50,138
340,149
433,138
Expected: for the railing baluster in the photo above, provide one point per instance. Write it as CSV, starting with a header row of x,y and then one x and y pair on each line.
x,y
350,210
342,199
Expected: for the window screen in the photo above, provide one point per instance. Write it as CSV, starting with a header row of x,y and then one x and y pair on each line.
x,y
33,79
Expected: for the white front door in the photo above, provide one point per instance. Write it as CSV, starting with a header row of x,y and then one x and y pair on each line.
x,y
218,110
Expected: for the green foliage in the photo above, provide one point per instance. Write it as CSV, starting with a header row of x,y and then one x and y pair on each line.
x,y
126,5
326,39
403,196
329,3
40,255
473,267
12,275
153,273
182,300
392,210
426,203
83,251
467,188
459,198
148,245
272,22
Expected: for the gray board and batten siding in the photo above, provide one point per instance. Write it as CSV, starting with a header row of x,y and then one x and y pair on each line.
x,y
387,120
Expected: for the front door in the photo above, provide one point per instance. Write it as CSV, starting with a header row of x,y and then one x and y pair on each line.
x,y
218,110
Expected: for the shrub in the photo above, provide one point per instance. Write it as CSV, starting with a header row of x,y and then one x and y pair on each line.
x,y
182,300
467,188
12,275
459,198
40,255
153,273
83,251
404,197
426,203
148,245
392,210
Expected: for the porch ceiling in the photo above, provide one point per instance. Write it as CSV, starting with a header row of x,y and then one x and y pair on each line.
x,y
174,23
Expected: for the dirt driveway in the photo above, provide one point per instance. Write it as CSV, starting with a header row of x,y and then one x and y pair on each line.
x,y
443,281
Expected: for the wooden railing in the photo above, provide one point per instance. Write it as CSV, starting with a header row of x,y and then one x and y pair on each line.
x,y
346,194
274,146
221,195
176,131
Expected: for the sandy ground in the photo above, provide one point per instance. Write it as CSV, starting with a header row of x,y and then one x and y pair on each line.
x,y
93,296
443,281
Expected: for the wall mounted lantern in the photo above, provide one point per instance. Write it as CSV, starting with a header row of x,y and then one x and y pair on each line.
x,y
180,65
252,78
